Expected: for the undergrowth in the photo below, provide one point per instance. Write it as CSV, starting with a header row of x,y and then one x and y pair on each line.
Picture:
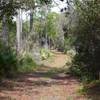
x,y
45,53
8,61
26,64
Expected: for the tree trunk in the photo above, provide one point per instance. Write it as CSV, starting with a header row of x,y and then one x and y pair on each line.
x,y
4,30
31,20
19,31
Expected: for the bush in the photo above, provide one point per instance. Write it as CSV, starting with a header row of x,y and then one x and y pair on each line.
x,y
26,64
85,28
45,53
8,61
68,42
80,69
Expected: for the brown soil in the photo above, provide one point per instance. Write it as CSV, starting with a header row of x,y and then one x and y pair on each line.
x,y
46,83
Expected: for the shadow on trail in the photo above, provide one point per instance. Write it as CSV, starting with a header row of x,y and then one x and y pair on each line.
x,y
39,78
44,77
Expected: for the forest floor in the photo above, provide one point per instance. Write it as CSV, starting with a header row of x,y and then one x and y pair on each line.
x,y
49,82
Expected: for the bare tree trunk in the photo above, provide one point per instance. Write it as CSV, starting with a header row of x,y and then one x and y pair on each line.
x,y
31,20
46,33
4,30
19,31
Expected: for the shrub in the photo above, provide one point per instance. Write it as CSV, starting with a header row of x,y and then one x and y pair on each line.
x,y
80,69
8,61
85,28
45,53
26,64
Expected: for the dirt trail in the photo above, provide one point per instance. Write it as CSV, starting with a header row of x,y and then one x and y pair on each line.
x,y
47,83
58,60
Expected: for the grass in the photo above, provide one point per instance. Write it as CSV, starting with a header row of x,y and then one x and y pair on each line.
x,y
45,53
81,90
26,64
69,98
27,67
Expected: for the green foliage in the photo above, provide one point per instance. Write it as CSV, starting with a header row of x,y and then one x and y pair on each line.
x,y
45,1
26,64
10,64
82,90
8,61
68,43
8,8
86,31
38,28
69,98
45,53
83,74
51,25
